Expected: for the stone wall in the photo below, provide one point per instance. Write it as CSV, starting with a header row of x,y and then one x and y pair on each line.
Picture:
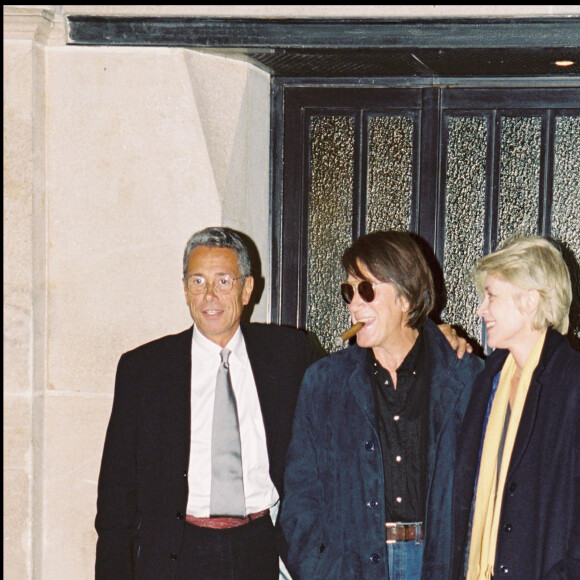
x,y
113,158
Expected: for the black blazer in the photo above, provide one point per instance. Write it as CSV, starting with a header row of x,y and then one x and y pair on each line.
x,y
539,530
142,490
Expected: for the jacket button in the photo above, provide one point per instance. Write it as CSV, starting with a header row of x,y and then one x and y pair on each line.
x,y
370,445
180,516
375,558
504,569
173,556
373,503
507,528
513,486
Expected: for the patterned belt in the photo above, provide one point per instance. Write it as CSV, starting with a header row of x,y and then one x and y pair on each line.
x,y
224,523
404,532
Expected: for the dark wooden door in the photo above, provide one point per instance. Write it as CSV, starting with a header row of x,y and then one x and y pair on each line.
x,y
465,168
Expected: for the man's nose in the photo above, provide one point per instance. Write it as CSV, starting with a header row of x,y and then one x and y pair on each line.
x,y
209,293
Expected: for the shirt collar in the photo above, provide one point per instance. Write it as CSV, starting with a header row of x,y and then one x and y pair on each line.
x,y
235,345
409,364
410,361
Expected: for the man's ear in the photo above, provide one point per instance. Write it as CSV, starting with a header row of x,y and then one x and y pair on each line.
x,y
247,289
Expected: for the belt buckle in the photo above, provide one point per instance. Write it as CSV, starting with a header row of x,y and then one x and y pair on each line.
x,y
391,525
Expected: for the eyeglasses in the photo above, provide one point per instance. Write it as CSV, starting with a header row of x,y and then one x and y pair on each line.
x,y
366,290
221,284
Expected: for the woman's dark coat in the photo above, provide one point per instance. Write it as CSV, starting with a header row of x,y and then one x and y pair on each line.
x,y
539,530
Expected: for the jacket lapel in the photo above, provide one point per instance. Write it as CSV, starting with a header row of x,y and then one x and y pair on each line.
x,y
178,371
443,399
264,377
360,383
528,419
471,431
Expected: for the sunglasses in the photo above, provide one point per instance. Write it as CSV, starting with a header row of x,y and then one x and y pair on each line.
x,y
365,289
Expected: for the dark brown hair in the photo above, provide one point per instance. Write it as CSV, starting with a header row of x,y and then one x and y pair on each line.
x,y
395,257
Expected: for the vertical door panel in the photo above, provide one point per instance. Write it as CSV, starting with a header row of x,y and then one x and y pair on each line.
x,y
465,201
330,219
519,177
565,210
390,172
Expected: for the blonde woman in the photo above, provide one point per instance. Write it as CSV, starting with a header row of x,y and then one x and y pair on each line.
x,y
516,494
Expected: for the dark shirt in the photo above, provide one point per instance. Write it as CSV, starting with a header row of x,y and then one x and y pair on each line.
x,y
402,419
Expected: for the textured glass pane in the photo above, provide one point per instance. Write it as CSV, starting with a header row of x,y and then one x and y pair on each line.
x,y
329,223
519,180
464,219
566,202
390,173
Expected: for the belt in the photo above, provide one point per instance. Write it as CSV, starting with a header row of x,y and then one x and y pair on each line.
x,y
404,532
224,523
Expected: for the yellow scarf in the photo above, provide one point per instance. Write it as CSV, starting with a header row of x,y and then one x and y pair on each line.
x,y
489,493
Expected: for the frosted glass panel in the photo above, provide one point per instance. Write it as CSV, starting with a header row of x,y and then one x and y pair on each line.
x,y
519,180
329,223
566,200
464,219
389,173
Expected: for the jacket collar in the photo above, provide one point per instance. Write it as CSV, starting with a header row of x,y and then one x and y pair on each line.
x,y
442,361
494,362
553,341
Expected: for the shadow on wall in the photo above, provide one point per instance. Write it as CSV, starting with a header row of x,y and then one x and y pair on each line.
x,y
441,293
259,284
259,281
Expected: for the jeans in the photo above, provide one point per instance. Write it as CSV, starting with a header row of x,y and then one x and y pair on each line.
x,y
405,560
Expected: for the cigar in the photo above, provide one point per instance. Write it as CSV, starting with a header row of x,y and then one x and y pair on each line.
x,y
348,333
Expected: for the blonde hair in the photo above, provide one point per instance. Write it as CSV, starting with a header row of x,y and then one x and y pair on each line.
x,y
532,263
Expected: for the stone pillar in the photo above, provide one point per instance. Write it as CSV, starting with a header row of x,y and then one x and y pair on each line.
x,y
27,30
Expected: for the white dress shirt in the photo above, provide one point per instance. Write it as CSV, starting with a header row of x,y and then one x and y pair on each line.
x,y
259,490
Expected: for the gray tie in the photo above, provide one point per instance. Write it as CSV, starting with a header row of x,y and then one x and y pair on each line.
x,y
227,486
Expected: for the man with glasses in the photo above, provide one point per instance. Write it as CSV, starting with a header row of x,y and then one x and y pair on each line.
x,y
193,461
367,489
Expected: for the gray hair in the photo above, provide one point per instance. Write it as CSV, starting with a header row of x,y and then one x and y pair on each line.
x,y
219,237
533,263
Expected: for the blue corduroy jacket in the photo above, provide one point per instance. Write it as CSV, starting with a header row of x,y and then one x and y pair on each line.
x,y
332,513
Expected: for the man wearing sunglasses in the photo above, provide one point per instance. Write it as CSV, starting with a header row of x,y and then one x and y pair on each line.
x,y
369,469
